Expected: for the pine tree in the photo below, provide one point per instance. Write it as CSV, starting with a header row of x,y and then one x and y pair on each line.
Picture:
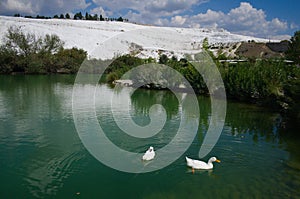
x,y
78,16
101,18
120,19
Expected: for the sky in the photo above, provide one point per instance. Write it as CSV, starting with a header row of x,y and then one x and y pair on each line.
x,y
271,19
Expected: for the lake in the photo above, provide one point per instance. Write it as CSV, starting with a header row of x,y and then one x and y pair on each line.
x,y
42,155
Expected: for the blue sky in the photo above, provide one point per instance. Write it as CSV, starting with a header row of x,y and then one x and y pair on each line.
x,y
262,18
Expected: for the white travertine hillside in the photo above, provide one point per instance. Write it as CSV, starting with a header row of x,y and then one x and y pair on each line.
x,y
102,39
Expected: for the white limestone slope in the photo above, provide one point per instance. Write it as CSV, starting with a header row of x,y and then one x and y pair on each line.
x,y
104,40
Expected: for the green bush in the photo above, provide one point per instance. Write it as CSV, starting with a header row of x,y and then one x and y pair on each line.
x,y
31,54
112,77
293,52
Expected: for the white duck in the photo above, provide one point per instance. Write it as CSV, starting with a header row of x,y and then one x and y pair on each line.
x,y
149,155
197,164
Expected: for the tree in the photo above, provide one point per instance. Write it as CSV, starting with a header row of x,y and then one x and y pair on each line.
x,y
70,59
205,43
101,18
51,44
55,16
293,52
87,16
120,19
67,16
78,16
27,52
163,59
19,42
7,60
62,16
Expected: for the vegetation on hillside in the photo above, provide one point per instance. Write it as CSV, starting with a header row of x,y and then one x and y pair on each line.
x,y
77,16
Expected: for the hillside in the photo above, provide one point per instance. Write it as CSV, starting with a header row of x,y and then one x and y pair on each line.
x,y
139,40
262,50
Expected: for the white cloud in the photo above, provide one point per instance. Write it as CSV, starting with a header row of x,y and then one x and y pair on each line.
x,y
294,26
170,6
244,19
145,11
209,19
178,20
278,25
17,5
42,7
167,6
99,11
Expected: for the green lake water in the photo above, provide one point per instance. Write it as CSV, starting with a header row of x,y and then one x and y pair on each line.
x,y
42,156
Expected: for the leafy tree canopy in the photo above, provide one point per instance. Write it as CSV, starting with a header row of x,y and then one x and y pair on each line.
x,y
293,52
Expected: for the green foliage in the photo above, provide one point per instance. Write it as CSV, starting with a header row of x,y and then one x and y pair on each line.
x,y
194,77
78,16
163,59
36,65
264,82
112,77
19,42
292,90
205,44
101,18
70,60
123,64
87,16
293,52
30,54
68,16
120,19
7,60
51,44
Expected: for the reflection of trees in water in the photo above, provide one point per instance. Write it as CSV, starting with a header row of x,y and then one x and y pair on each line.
x,y
290,139
241,118
258,122
290,136
143,99
26,93
244,118
36,94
